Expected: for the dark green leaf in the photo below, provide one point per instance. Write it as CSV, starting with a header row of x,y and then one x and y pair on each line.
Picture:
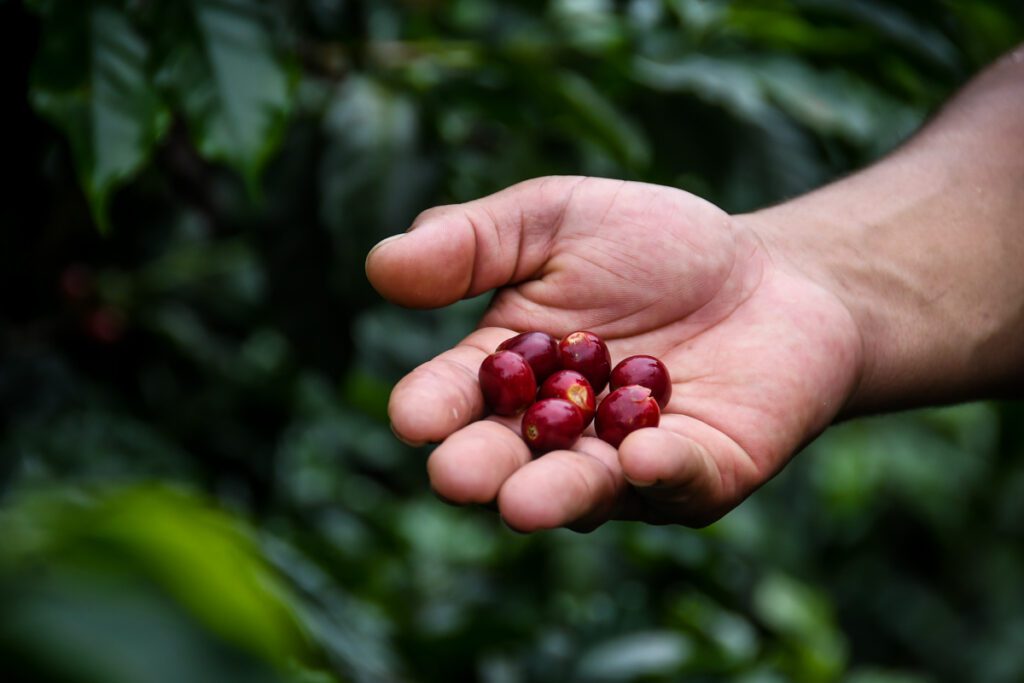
x,y
229,81
91,81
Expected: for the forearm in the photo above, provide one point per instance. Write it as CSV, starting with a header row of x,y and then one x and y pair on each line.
x,y
926,249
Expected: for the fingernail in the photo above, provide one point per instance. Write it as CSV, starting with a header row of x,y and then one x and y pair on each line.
x,y
383,242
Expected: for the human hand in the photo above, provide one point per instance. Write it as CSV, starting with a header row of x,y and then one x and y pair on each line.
x,y
762,356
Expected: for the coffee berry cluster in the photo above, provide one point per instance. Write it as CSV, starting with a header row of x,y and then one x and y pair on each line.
x,y
555,385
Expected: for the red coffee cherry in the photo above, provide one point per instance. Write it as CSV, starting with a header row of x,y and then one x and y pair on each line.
x,y
540,351
585,353
507,383
573,387
647,371
105,325
626,410
551,424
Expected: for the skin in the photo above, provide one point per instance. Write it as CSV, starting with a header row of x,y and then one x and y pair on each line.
x,y
899,286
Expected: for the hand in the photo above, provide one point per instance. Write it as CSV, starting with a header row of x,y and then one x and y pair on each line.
x,y
762,356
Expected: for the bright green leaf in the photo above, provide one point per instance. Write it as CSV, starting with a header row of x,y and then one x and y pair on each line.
x,y
202,558
74,628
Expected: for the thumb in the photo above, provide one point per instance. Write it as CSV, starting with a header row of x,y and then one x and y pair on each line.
x,y
461,250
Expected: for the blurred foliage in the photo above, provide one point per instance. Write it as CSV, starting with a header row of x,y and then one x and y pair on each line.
x,y
197,480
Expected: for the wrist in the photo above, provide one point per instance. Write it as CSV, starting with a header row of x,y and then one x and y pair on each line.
x,y
931,277
924,251
817,248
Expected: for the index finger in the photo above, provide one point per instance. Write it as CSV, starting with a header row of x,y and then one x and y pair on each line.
x,y
443,395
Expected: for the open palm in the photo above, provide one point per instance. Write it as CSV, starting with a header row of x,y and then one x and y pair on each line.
x,y
762,357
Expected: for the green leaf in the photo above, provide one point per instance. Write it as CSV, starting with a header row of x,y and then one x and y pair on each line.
x,y
628,657
353,634
830,103
885,676
593,116
837,103
90,80
803,616
233,89
205,560
74,628
733,636
590,25
898,26
727,83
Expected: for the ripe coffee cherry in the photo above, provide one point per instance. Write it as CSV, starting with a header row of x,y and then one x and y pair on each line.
x,y
573,387
585,353
507,382
540,351
626,410
551,424
647,371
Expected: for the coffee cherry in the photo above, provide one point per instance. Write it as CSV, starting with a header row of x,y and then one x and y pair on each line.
x,y
540,351
105,325
626,410
573,387
585,353
552,424
647,371
507,382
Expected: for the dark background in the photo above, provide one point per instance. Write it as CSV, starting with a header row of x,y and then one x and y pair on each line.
x,y
197,479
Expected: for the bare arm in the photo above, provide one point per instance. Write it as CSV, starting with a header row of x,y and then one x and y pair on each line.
x,y
926,248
